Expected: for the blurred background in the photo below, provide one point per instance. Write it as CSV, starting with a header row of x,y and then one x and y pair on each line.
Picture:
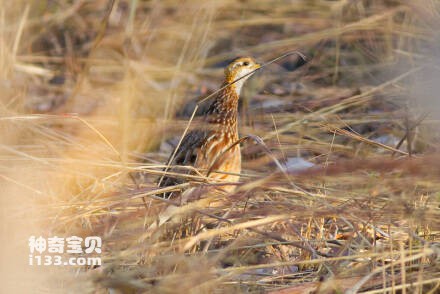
x,y
95,91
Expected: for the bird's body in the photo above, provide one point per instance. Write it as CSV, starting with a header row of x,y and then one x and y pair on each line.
x,y
209,148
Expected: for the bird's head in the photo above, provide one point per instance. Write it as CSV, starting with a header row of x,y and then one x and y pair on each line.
x,y
238,68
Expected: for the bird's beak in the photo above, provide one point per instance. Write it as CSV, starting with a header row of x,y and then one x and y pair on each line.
x,y
256,66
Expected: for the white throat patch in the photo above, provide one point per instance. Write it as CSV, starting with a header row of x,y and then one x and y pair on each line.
x,y
239,84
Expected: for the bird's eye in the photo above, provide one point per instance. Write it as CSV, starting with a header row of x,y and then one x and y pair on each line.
x,y
246,63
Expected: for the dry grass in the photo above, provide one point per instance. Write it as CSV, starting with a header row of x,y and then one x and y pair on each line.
x,y
96,91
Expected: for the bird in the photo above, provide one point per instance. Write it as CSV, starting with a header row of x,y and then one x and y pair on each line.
x,y
212,149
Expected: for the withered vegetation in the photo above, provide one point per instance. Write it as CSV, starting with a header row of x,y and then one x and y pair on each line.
x,y
344,197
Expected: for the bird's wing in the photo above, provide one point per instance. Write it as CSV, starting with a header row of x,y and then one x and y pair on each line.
x,y
186,155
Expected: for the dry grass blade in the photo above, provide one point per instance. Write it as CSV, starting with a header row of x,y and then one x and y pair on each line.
x,y
358,137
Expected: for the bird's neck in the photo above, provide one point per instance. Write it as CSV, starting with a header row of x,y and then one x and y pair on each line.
x,y
224,109
236,87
